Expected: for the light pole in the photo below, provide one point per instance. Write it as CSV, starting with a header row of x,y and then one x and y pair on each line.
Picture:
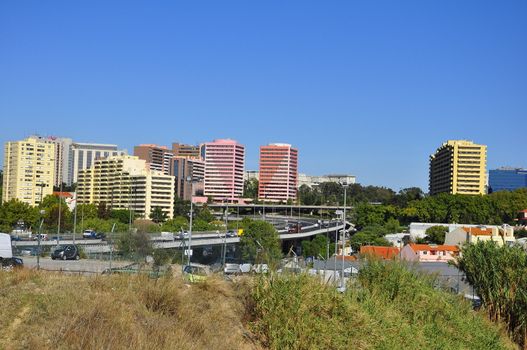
x,y
226,217
42,212
60,213
342,286
75,219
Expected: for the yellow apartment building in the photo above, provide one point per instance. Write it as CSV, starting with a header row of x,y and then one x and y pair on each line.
x,y
458,167
125,182
29,170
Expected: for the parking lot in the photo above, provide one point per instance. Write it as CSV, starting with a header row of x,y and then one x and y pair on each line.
x,y
81,266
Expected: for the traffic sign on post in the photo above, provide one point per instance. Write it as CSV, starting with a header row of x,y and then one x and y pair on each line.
x,y
188,252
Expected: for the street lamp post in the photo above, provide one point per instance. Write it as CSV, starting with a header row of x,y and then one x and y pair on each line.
x,y
42,212
342,286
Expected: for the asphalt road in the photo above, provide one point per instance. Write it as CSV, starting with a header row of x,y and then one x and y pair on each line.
x,y
83,265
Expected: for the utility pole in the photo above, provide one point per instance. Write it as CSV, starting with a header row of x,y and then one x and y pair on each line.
x,y
75,218
342,286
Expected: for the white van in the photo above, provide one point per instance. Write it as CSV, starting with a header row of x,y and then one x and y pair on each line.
x,y
5,246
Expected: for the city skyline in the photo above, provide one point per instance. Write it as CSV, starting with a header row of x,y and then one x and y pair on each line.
x,y
358,88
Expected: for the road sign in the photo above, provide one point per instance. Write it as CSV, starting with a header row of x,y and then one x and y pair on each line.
x,y
188,252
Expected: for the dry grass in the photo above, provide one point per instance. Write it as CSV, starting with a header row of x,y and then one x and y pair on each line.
x,y
388,308
53,311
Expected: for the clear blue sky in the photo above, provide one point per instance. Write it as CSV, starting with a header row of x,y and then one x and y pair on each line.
x,y
363,87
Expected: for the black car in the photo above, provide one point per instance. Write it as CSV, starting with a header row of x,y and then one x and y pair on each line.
x,y
67,252
11,263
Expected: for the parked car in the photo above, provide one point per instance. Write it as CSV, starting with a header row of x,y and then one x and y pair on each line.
x,y
66,252
9,264
31,251
195,273
231,268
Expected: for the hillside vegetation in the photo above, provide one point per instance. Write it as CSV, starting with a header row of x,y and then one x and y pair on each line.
x,y
389,307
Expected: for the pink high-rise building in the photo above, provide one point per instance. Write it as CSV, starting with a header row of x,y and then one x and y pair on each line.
x,y
278,173
224,167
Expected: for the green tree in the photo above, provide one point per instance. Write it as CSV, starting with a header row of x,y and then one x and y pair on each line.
x,y
176,224
316,247
204,214
369,235
137,244
13,211
260,243
121,215
103,212
158,215
250,189
499,278
181,207
436,234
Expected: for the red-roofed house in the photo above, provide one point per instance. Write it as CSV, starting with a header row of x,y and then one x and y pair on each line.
x,y
385,253
522,217
500,235
429,252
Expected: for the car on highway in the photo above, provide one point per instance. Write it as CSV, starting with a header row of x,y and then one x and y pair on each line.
x,y
42,236
92,234
66,252
294,228
182,235
231,234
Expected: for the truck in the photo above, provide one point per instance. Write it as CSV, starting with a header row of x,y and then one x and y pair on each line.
x,y
295,227
7,260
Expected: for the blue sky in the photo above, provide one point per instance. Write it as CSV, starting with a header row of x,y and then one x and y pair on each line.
x,y
363,87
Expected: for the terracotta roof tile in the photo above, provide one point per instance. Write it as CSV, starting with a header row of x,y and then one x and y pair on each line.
x,y
380,251
429,247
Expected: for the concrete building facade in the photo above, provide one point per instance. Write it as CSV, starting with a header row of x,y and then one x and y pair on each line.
x,y
29,170
503,235
184,168
278,173
458,167
315,180
125,182
84,155
224,169
157,157
429,253
186,151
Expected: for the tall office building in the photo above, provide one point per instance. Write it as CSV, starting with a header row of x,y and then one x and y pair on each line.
x,y
125,182
186,151
507,179
278,173
84,155
29,170
62,159
458,167
184,169
156,157
224,168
